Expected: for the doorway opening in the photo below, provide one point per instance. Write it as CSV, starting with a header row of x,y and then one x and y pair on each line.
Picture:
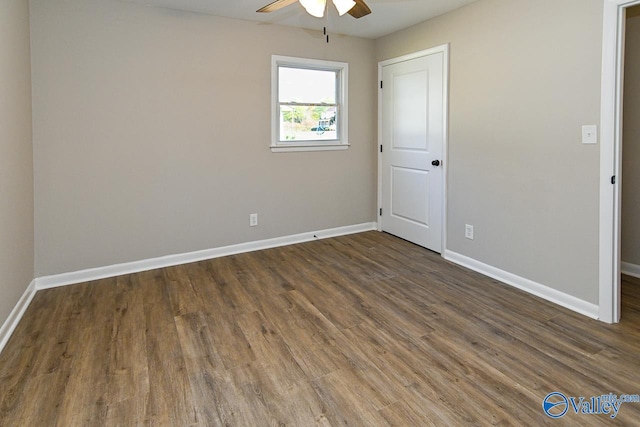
x,y
613,61
630,199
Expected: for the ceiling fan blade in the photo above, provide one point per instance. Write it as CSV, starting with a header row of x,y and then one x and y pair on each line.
x,y
360,9
276,5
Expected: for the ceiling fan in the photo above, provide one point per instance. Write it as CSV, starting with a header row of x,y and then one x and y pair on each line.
x,y
355,8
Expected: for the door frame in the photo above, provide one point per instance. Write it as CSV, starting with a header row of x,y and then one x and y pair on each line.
x,y
444,49
611,156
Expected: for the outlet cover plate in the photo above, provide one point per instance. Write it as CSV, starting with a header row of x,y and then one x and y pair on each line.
x,y
468,231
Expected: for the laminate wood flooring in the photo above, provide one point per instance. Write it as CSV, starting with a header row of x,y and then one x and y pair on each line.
x,y
360,330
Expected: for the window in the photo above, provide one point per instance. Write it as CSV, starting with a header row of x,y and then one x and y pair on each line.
x,y
309,104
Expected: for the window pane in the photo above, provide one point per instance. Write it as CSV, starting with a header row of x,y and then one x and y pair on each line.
x,y
307,123
306,86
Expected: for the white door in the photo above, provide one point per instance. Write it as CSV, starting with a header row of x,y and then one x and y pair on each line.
x,y
412,138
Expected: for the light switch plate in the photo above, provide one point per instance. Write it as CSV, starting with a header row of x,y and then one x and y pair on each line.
x,y
590,134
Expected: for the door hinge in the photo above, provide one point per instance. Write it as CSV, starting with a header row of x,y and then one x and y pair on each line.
x,y
613,180
380,84
381,148
380,211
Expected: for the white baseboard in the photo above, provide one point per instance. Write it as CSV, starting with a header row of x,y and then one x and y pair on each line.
x,y
537,289
630,269
16,314
171,260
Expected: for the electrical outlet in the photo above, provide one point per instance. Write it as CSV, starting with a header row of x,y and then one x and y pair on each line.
x,y
468,231
253,220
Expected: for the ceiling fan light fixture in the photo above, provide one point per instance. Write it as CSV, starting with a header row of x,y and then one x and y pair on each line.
x,y
314,7
344,6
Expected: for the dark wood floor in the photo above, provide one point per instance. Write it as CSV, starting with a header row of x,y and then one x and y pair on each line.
x,y
364,330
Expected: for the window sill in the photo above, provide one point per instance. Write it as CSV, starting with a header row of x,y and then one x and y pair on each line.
x,y
308,147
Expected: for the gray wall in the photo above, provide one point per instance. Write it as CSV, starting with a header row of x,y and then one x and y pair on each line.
x,y
524,78
151,135
631,143
16,164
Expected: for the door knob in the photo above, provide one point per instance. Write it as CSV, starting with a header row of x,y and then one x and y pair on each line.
x,y
436,163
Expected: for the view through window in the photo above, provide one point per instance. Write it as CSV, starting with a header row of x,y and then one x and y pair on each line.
x,y
308,108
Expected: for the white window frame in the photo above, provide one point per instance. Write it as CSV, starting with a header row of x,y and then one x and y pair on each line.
x,y
342,71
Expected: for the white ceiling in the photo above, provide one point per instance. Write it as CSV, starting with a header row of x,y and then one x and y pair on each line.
x,y
387,16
